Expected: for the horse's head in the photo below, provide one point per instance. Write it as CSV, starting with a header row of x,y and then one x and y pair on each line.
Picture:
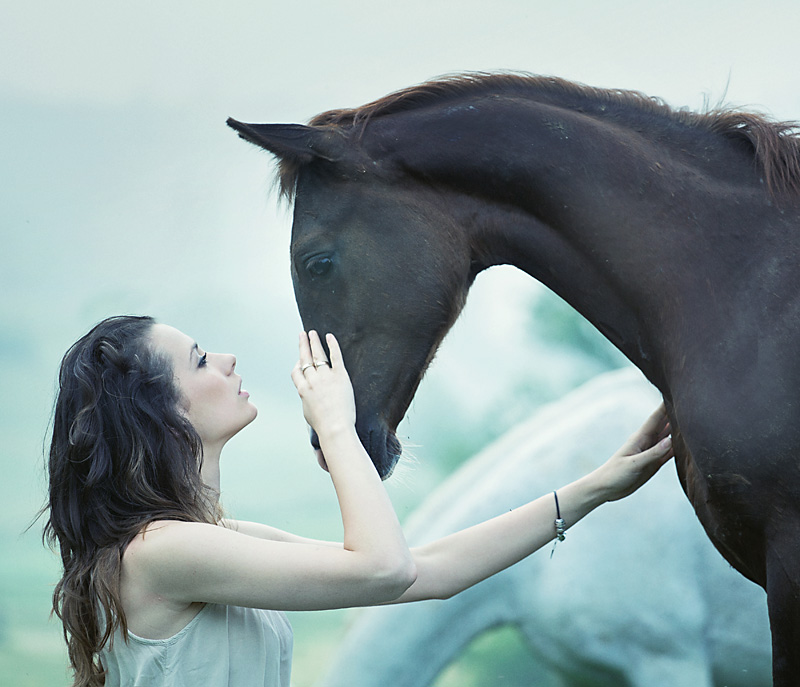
x,y
381,269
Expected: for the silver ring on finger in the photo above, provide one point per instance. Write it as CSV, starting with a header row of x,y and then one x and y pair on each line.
x,y
320,363
306,366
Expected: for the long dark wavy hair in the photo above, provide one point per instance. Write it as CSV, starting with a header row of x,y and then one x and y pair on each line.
x,y
122,455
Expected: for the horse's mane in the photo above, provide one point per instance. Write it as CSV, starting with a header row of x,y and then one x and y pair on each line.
x,y
775,145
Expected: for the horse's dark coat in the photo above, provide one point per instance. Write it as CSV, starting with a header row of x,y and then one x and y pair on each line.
x,y
676,234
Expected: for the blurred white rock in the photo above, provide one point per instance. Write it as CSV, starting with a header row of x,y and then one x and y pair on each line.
x,y
635,595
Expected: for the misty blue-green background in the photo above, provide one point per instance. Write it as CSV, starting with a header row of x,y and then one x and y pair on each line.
x,y
122,190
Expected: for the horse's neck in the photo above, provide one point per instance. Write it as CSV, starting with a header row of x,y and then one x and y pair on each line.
x,y
575,222
589,182
603,215
506,235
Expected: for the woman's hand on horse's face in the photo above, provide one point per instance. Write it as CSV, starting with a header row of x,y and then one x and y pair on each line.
x,y
639,458
324,386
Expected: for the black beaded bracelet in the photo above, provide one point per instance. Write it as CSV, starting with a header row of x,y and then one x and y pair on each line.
x,y
561,526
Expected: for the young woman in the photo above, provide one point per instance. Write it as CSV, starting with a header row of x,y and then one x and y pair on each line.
x,y
159,589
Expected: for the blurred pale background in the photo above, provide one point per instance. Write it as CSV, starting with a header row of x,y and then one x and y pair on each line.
x,y
122,190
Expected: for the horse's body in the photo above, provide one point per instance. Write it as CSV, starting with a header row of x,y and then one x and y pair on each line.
x,y
677,235
625,600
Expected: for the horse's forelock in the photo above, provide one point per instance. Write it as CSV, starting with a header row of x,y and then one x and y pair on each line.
x,y
288,171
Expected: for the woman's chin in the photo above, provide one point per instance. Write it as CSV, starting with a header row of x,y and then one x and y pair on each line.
x,y
253,414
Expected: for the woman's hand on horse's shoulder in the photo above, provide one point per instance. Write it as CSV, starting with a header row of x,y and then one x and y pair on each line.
x,y
639,458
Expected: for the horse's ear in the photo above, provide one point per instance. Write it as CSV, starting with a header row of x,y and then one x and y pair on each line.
x,y
293,141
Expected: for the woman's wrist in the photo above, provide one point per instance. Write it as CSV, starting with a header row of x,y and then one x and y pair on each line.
x,y
336,432
341,446
599,490
582,496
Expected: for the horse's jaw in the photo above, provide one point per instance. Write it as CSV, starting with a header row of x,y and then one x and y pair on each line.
x,y
380,443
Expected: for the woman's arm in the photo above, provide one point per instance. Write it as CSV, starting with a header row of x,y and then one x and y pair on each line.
x,y
181,563
257,566
194,562
449,565
371,527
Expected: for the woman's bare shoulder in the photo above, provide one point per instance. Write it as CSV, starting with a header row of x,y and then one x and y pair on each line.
x,y
262,531
159,537
148,612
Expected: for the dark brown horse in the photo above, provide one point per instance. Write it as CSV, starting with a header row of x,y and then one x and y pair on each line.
x,y
676,234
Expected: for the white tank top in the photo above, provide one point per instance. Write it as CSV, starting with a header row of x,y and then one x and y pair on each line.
x,y
222,646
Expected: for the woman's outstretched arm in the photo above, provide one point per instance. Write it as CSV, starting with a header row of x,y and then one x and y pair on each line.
x,y
450,565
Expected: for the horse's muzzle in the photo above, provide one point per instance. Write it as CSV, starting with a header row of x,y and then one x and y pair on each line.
x,y
380,443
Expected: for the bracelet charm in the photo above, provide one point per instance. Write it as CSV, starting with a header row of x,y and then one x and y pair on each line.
x,y
561,526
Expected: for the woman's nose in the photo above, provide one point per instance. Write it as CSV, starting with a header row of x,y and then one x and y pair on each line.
x,y
226,362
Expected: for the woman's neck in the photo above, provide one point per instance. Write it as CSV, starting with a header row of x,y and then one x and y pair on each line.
x,y
209,471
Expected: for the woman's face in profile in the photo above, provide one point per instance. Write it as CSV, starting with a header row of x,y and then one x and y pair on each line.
x,y
213,398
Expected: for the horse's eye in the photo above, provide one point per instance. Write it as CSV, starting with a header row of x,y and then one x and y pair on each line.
x,y
320,266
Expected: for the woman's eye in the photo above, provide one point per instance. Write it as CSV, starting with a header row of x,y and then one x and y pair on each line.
x,y
319,266
203,360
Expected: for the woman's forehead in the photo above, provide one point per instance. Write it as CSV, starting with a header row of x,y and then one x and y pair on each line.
x,y
171,340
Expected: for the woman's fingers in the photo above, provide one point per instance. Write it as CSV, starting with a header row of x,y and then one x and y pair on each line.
x,y
336,353
652,431
662,450
305,350
312,352
654,424
324,387
311,357
639,459
318,356
296,374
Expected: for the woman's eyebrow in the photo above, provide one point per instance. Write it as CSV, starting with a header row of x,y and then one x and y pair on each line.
x,y
193,351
